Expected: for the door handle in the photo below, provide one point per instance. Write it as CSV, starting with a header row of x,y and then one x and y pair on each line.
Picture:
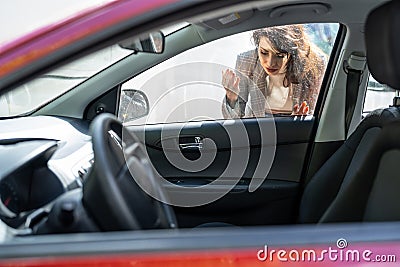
x,y
197,144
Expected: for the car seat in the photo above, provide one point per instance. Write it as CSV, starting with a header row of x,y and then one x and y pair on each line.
x,y
358,181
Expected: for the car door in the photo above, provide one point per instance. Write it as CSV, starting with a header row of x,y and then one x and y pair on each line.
x,y
240,171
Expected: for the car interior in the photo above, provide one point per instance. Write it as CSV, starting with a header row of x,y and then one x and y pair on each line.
x,y
70,165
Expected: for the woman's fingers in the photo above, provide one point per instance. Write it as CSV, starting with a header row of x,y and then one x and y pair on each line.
x,y
295,109
236,82
301,109
304,108
230,81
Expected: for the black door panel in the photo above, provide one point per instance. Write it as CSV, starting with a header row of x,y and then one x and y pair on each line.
x,y
274,202
291,143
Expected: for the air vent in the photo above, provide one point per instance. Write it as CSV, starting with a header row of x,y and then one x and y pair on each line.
x,y
83,167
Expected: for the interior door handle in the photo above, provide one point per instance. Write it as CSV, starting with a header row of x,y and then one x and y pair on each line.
x,y
197,144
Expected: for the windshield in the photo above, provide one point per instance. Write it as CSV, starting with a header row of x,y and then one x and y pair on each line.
x,y
39,13
49,86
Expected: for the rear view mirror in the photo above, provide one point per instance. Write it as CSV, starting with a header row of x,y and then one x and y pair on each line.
x,y
133,105
151,43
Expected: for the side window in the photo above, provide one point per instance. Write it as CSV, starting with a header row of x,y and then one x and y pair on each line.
x,y
377,96
269,71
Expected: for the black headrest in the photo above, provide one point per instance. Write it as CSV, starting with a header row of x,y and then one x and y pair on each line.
x,y
382,36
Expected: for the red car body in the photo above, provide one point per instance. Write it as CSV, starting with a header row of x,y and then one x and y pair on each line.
x,y
240,248
17,55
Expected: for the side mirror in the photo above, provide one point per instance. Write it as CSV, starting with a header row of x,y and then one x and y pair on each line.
x,y
133,105
151,43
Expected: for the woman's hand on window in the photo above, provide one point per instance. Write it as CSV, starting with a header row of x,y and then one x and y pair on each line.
x,y
301,109
230,81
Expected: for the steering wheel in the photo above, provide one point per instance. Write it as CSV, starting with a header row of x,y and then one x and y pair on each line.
x,y
111,195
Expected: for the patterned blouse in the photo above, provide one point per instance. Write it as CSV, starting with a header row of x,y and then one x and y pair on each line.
x,y
253,89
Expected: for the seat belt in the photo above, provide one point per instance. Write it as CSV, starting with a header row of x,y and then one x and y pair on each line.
x,y
354,68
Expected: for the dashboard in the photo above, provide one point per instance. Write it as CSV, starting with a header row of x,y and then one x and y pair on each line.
x,y
40,159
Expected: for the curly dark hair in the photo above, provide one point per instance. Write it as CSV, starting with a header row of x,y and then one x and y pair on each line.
x,y
306,61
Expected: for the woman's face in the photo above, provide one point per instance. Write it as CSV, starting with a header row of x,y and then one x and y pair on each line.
x,y
273,62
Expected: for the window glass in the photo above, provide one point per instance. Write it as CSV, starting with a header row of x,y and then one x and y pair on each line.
x,y
377,95
46,87
265,72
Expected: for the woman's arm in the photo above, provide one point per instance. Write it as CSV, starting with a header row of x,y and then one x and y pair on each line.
x,y
236,84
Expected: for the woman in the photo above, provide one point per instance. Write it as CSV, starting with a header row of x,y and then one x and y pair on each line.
x,y
282,75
